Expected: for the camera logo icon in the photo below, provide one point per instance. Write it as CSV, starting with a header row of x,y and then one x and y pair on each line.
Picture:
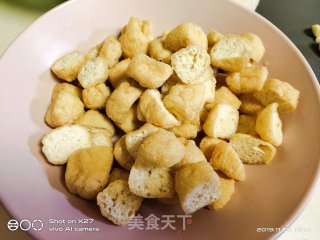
x,y
25,225
13,225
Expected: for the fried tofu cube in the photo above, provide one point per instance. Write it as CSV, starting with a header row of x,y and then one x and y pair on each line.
x,y
118,73
186,102
118,203
207,146
227,189
258,47
95,119
88,171
184,35
224,95
135,37
222,121
186,130
269,125
94,51
231,53
151,109
197,185
249,80
111,51
130,120
118,173
68,66
247,125
316,30
190,63
192,155
60,143
167,85
149,73
280,92
100,128
213,37
158,51
226,160
122,155
135,138
66,108
151,182
96,97
65,87
100,137
160,149
249,104
121,102
252,150
93,72
209,81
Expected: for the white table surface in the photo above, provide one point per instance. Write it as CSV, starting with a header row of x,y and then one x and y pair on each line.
x,y
16,17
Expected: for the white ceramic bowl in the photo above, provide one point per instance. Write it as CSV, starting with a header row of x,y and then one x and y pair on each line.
x,y
30,188
250,4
